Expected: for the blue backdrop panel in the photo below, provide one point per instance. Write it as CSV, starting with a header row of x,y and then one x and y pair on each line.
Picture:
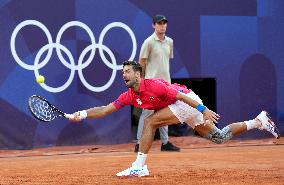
x,y
224,48
79,47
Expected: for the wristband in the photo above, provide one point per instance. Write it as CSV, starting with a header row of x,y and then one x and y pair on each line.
x,y
201,108
83,114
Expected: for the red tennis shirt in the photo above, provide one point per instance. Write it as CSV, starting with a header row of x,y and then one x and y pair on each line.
x,y
153,94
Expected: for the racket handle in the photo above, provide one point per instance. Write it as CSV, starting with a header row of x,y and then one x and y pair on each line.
x,y
69,116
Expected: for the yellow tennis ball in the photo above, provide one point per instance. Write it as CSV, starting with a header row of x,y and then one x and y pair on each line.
x,y
40,79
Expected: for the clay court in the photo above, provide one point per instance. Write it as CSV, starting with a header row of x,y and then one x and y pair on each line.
x,y
200,162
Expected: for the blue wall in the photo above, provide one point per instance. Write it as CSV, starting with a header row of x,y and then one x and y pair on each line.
x,y
238,42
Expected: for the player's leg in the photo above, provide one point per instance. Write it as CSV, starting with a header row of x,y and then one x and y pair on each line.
x,y
210,131
159,118
262,122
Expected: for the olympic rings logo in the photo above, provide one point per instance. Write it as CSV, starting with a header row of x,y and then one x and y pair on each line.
x,y
71,64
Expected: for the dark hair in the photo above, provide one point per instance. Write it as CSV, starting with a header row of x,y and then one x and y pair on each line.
x,y
135,66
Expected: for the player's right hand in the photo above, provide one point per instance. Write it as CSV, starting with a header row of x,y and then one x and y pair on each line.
x,y
210,115
76,117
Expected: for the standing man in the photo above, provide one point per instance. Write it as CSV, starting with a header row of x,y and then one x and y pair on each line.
x,y
155,55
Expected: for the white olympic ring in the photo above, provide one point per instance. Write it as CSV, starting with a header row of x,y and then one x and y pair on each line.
x,y
71,64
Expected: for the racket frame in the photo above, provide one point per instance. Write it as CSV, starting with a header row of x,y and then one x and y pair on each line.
x,y
53,109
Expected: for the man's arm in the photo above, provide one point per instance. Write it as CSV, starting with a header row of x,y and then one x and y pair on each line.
x,y
144,55
207,113
187,100
98,112
95,112
143,62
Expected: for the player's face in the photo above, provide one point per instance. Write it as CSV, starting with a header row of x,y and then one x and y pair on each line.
x,y
129,76
160,27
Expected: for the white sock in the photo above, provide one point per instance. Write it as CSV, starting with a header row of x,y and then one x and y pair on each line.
x,y
140,160
251,124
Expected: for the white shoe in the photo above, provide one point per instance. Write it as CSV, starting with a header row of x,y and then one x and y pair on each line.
x,y
267,124
134,171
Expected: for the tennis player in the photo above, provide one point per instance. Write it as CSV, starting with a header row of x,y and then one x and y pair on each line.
x,y
173,103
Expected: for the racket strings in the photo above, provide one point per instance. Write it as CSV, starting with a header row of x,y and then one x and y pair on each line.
x,y
42,109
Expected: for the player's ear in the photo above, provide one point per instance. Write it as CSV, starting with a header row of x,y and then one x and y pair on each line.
x,y
137,74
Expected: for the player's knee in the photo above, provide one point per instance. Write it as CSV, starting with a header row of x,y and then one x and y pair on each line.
x,y
220,136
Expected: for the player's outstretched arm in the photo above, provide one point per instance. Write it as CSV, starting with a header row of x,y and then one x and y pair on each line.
x,y
95,112
207,113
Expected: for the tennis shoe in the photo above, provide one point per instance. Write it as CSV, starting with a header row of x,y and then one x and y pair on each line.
x,y
169,147
134,171
267,124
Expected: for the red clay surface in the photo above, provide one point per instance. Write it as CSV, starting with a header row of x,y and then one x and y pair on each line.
x,y
258,162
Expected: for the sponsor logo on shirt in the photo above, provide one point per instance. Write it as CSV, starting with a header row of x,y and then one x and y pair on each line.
x,y
139,101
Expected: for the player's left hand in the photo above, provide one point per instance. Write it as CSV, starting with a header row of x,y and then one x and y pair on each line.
x,y
210,115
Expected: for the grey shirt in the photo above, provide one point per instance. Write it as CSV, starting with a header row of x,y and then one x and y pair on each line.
x,y
158,54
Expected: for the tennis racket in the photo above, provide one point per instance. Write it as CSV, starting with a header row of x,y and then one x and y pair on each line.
x,y
44,111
